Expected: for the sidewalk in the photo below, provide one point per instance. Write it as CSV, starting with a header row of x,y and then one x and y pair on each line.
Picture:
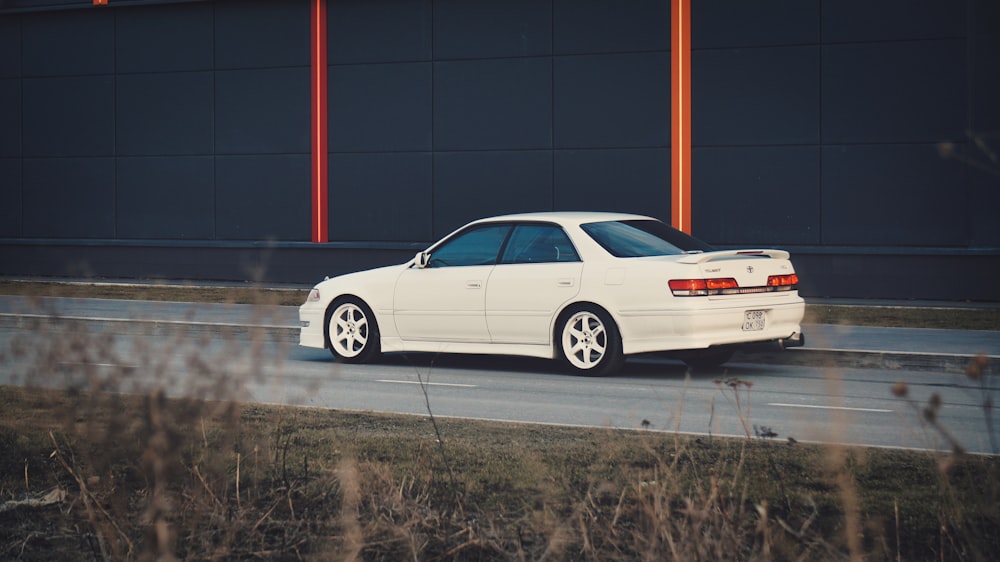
x,y
844,346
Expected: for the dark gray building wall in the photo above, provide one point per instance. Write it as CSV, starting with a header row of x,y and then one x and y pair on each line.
x,y
849,132
445,111
168,122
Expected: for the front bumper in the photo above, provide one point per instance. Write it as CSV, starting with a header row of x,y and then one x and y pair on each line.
x,y
311,321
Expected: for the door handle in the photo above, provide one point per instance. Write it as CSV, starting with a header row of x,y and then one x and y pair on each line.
x,y
473,284
565,282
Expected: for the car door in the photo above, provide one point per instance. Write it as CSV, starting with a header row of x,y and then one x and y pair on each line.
x,y
446,300
538,273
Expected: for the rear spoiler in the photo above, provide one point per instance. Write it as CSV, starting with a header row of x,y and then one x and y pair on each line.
x,y
702,257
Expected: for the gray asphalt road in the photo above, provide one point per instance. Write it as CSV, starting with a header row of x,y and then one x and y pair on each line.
x,y
246,352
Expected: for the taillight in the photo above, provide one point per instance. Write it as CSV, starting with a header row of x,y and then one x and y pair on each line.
x,y
727,283
729,286
688,287
701,287
783,282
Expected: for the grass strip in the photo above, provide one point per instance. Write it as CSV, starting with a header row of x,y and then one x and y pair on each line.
x,y
197,479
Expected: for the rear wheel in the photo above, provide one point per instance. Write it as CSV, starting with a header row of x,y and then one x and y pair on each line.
x,y
708,359
589,341
352,331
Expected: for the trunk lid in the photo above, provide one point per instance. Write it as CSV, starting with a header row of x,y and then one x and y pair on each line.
x,y
750,268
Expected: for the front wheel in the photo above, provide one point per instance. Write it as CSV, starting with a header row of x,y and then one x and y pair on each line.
x,y
589,341
352,331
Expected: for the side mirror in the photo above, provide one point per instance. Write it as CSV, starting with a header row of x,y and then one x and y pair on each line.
x,y
421,260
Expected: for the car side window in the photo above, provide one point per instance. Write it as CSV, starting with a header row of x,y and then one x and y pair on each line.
x,y
478,246
539,243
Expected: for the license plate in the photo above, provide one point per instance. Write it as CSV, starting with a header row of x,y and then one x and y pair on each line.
x,y
754,320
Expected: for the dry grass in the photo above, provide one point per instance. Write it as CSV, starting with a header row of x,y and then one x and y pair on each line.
x,y
947,318
96,466
148,478
239,294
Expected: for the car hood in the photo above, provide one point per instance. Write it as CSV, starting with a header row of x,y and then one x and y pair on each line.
x,y
388,271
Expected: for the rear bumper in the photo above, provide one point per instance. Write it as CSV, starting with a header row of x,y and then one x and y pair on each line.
x,y
719,324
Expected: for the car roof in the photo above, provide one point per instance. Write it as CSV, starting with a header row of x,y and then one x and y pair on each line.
x,y
567,217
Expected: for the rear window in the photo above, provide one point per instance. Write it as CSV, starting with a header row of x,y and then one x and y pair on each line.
x,y
642,238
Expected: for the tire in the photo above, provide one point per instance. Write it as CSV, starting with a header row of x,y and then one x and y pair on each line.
x,y
589,342
708,360
352,331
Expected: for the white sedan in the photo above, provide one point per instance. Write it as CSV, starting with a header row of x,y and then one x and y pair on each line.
x,y
584,287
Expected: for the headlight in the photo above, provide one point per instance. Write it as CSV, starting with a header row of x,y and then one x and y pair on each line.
x,y
313,296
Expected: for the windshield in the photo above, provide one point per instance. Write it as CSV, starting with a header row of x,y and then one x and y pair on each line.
x,y
641,238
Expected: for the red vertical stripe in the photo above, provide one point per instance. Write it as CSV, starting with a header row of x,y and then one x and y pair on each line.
x,y
680,114
320,158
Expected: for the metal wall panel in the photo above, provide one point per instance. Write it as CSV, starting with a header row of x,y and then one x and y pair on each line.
x,y
502,181
261,34
741,25
10,196
10,46
758,195
465,29
600,26
165,38
68,116
164,114
907,91
69,197
262,197
10,118
381,197
493,104
362,31
893,195
848,21
165,198
68,43
612,101
262,111
380,107
625,180
760,96
981,147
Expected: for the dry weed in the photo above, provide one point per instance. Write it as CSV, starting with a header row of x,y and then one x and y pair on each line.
x,y
150,454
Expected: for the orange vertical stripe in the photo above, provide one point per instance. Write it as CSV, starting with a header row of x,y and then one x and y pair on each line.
x,y
680,114
320,158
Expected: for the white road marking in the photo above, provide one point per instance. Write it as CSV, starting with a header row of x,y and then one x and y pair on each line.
x,y
844,408
429,383
86,364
